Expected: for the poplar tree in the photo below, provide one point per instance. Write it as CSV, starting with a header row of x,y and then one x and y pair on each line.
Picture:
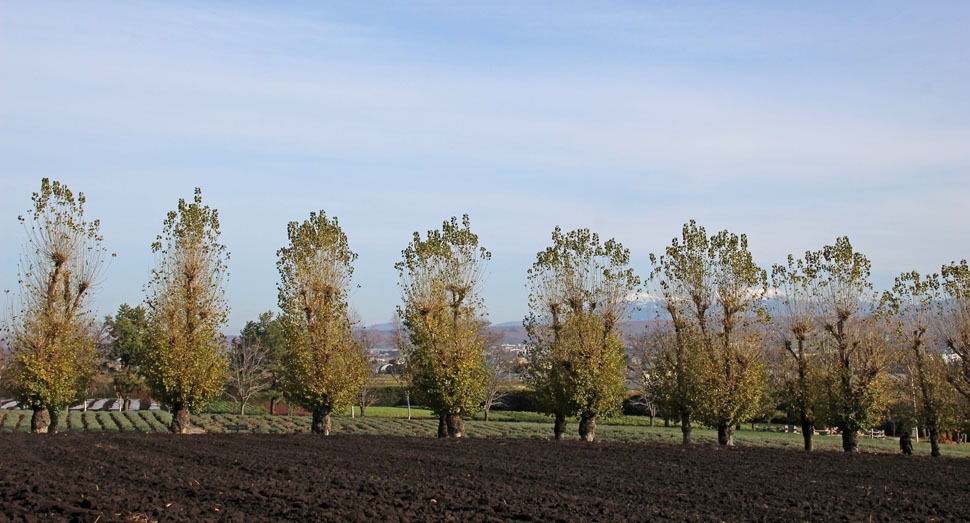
x,y
853,345
579,295
912,304
323,365
799,363
51,335
674,358
186,362
953,322
444,315
712,290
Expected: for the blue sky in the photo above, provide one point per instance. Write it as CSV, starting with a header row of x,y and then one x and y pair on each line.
x,y
791,123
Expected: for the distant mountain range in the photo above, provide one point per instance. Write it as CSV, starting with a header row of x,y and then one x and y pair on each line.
x,y
646,308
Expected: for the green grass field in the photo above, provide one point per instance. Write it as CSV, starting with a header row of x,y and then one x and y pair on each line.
x,y
392,421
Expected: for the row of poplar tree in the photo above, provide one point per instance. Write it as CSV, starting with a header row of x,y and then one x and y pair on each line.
x,y
810,335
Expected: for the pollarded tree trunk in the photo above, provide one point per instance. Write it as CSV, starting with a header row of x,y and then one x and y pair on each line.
x,y
180,420
456,426
934,442
725,435
587,428
55,418
808,430
685,429
40,421
559,428
850,440
321,421
442,426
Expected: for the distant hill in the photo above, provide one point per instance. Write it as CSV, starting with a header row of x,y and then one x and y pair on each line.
x,y
646,309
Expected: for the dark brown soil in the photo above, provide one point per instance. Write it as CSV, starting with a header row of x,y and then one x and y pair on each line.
x,y
146,477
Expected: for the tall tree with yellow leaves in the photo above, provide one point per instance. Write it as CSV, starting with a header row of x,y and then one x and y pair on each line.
x,y
51,335
323,364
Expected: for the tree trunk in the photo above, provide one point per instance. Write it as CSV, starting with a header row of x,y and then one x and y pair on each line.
x,y
362,407
40,421
242,408
587,428
651,420
906,443
456,427
685,429
180,420
725,435
442,427
934,442
559,428
272,406
321,421
666,421
486,415
55,418
808,430
407,398
850,440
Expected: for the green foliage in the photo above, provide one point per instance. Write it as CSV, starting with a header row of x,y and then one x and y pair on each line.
x,y
267,332
129,333
51,336
324,365
185,362
445,317
128,330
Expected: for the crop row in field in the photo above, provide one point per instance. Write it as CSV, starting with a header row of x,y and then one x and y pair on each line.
x,y
158,421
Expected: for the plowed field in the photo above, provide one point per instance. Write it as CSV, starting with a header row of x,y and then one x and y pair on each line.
x,y
148,477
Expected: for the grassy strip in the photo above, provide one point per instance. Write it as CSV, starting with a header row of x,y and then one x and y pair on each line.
x,y
11,421
74,421
107,424
158,421
90,421
151,420
138,422
123,420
